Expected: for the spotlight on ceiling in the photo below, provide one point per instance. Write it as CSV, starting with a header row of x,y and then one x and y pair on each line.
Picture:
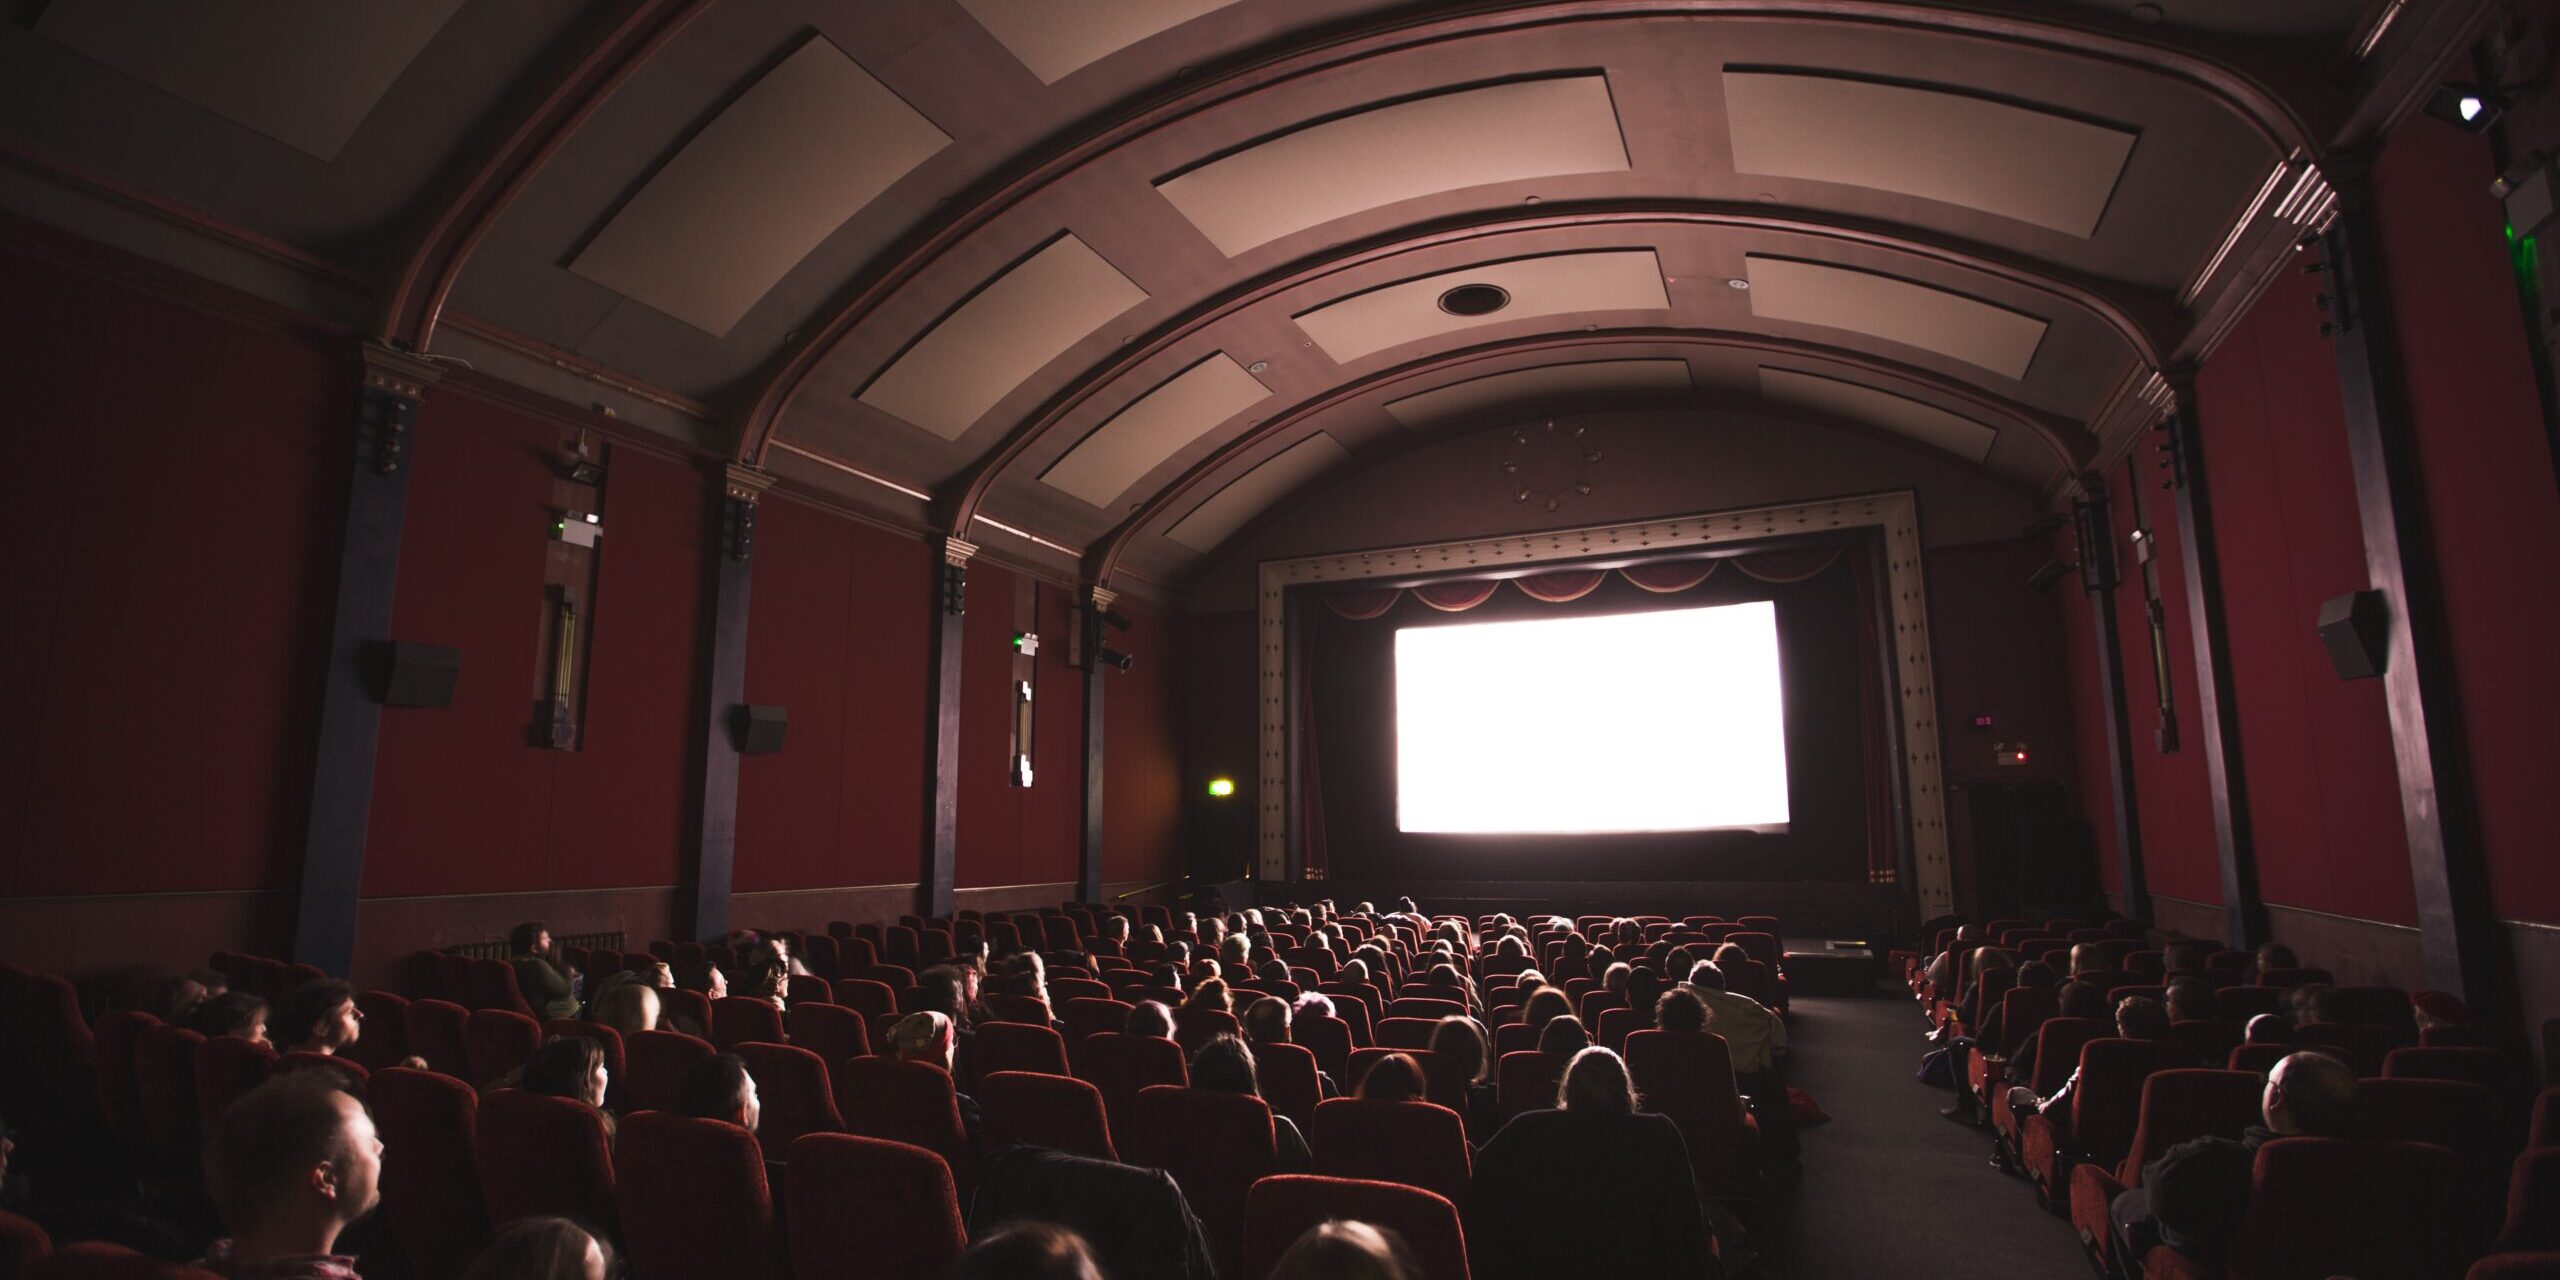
x,y
2042,580
2466,106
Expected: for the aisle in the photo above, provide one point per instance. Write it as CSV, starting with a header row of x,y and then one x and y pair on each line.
x,y
1890,1189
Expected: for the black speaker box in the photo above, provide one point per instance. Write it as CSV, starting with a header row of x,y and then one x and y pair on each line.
x,y
418,675
2356,630
759,730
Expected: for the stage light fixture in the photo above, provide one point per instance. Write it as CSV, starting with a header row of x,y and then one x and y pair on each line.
x,y
1115,660
2053,571
2466,106
1117,622
1221,788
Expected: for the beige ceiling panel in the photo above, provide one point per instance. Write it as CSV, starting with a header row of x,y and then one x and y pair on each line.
x,y
1926,423
1055,37
1896,310
724,220
2015,162
1447,142
1557,284
993,342
1252,493
1544,385
303,72
1103,465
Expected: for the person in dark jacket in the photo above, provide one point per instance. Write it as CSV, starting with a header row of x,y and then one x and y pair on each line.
x,y
1594,1187
544,982
1134,1220
2193,1197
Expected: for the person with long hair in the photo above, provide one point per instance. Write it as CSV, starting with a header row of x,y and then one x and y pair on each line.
x,y
1225,1065
1461,1041
1596,1186
1340,1250
545,1249
1393,1078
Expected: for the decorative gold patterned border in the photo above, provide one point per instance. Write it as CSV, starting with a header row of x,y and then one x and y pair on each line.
x,y
1896,514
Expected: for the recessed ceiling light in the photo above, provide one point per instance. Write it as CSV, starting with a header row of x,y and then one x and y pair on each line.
x,y
2147,13
1257,366
1737,283
1529,200
1475,300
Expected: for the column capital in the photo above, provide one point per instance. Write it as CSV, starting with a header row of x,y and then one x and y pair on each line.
x,y
394,372
1101,597
956,552
744,483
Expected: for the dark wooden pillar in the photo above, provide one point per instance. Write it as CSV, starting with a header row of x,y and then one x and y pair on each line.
x,y
341,802
2457,930
724,691
1089,852
942,815
2100,574
2210,632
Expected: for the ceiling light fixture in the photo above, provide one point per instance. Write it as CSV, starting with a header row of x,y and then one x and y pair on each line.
x,y
2147,14
1475,300
2466,106
1737,283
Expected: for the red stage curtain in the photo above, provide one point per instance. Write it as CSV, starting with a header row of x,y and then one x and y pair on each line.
x,y
1669,577
1455,597
1787,566
1360,606
1561,588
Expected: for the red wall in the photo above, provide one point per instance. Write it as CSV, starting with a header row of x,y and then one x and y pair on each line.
x,y
1142,780
2093,790
2178,851
1013,835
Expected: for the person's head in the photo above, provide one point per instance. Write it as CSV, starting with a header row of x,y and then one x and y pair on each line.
x,y
942,992
233,1013
2185,955
568,1067
1461,1041
319,1016
2190,1000
179,998
659,974
1511,948
2082,1000
1680,1010
1029,1251
1706,974
1614,978
2267,1028
2037,975
1116,928
924,1036
2142,1018
2439,1009
1341,1250
1596,1084
1563,1035
2311,1095
1225,1065
295,1159
2276,955
214,981
764,980
1393,1078
1313,1004
1729,954
1150,1018
2087,957
720,1088
2308,1002
532,938
629,1008
1545,1005
705,977
544,1249
1237,949
1211,994
1266,1020
1354,971
1988,960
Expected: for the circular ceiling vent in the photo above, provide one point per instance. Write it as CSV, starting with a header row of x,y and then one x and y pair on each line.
x,y
1475,300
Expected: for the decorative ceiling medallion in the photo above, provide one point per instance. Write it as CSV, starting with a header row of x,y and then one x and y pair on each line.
x,y
1540,468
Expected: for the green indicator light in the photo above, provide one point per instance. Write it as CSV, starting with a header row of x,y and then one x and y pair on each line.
x,y
1222,787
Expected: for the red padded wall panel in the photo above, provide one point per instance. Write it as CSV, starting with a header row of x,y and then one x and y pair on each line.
x,y
991,810
2179,855
2487,469
1053,810
1142,780
2093,792
791,803
886,701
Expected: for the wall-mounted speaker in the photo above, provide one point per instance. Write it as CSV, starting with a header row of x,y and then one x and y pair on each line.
x,y
2356,630
417,675
757,730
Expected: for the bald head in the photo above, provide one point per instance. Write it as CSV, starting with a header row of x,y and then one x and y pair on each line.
x,y
2311,1095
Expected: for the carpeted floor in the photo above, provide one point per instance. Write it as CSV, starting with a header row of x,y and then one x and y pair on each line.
x,y
1890,1189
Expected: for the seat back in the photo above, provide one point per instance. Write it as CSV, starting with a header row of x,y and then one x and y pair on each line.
x,y
864,1208
796,1091
226,1067
2321,1207
2023,1010
1086,1016
1193,1028
1019,1046
431,1194
1419,1144
658,1061
831,1031
1216,1145
2209,1039
2366,1043
544,1155
693,1199
2107,1105
808,987
385,1041
1288,1076
1283,1207
1405,1033
1688,1076
494,986
2544,1128
1059,1112
2487,1068
115,1035
2058,1044
2183,1104
910,1102
874,1000
435,1032
1527,1080
21,1243
2454,1114
737,1020
164,1087
497,1041
1121,1066
1329,1039
98,1261
1433,1008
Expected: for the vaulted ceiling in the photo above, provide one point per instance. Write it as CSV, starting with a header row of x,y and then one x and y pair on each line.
x,y
1107,280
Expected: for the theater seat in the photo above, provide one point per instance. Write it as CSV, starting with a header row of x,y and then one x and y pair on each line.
x,y
1419,1144
2058,1044
1020,1046
496,1042
2104,1108
2544,1128
96,1261
1054,1111
658,1061
435,1032
1283,1207
541,1155
2544,1265
494,986
737,1020
869,1209
115,1034
164,1088
877,1002
1193,1028
2533,1202
1688,1076
2323,1207
1528,1080
2488,1068
911,1102
1329,1039
21,1243
227,1067
2454,1114
693,1200
1122,1065
1287,1074
2365,1044
1216,1145
2176,1106
796,1092
431,1192
831,1031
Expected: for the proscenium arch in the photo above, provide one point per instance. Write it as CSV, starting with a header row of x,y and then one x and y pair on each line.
x,y
2069,289
2257,108
1103,560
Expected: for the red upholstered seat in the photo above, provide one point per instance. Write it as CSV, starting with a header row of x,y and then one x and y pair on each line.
x,y
2211,1040
1515,1037
1688,1076
1425,1007
2239,1004
796,1091
1019,1046
693,1200
540,1155
1020,1008
2177,1105
1216,1145
494,986
1121,1065
95,1261
831,1031
226,1067
115,1034
911,1102
1091,1016
869,1209
2455,1114
658,1061
2322,1207
435,1032
1193,1028
1062,990
2058,1044
2542,1265
385,1041
2366,1043
807,987
1617,1024
1287,1074
1044,1110
1285,1206
495,1042
164,1087
876,1001
1329,1039
2487,1068
431,1193
21,1243
2533,1202
1419,1144
2104,1109
737,1020
2544,1129
1527,1080
1405,1033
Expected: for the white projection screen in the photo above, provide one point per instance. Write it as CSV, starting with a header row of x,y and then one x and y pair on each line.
x,y
1663,721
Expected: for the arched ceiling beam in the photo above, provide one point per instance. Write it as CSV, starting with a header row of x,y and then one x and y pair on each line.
x,y
2095,298
2069,453
416,301
2257,108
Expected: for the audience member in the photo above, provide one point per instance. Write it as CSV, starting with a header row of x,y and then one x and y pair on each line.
x,y
233,1013
927,1037
1029,1251
1266,1020
1595,1187
179,999
1393,1078
1225,1065
720,1088
2137,1018
2268,1028
319,1016
571,1067
1340,1250
767,981
1211,994
540,976
1461,1041
1753,1034
705,977
1563,1035
545,1249
1544,1005
628,1008
2273,956
2185,955
1150,1018
1680,1009
2190,1000
2193,1196
290,1165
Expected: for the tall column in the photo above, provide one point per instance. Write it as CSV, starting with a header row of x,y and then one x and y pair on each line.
x,y
942,818
2100,574
2459,934
341,802
2210,631
724,691
1089,851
